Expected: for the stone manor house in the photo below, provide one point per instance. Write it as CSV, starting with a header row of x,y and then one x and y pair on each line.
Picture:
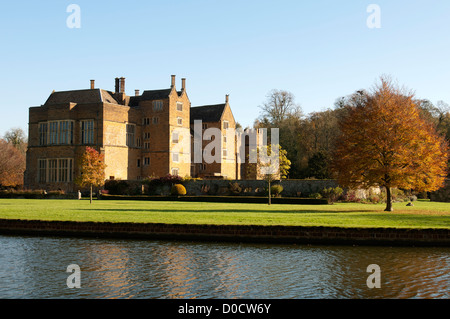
x,y
137,134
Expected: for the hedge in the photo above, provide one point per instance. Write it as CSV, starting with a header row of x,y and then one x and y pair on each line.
x,y
222,199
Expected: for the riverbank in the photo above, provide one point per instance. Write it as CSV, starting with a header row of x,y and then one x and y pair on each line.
x,y
425,223
231,233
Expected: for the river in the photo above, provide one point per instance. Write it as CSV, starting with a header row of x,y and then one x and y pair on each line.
x,y
34,267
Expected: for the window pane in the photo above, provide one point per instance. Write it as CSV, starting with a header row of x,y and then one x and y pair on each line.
x,y
43,133
87,132
130,135
62,171
42,173
53,133
52,170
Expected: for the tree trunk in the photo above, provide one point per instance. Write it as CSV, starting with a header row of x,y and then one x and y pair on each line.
x,y
90,200
270,195
388,200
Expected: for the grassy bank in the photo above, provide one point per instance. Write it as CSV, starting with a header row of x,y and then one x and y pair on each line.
x,y
423,214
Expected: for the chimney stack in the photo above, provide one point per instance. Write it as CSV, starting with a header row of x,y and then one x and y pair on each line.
x,y
136,92
117,86
183,84
173,81
227,98
122,85
92,84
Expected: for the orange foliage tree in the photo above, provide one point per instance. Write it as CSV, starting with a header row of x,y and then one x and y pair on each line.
x,y
385,142
12,165
92,170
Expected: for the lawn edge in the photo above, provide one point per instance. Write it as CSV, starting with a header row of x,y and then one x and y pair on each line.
x,y
329,235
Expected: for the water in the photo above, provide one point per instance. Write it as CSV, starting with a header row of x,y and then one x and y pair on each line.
x,y
35,267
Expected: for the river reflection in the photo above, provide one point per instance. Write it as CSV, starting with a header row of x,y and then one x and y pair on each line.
x,y
35,267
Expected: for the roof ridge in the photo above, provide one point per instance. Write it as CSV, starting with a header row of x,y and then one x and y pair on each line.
x,y
207,105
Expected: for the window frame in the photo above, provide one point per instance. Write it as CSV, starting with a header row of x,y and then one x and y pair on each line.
x,y
130,135
157,105
43,133
87,132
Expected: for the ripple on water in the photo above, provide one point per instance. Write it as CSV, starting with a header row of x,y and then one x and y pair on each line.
x,y
34,267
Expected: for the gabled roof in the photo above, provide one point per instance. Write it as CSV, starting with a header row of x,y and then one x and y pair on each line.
x,y
207,113
80,97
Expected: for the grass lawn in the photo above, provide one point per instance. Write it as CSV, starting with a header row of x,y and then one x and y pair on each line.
x,y
423,214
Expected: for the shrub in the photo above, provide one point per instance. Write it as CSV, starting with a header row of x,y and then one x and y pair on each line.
x,y
171,179
276,190
162,184
374,199
422,195
116,187
315,196
58,192
178,189
332,194
397,195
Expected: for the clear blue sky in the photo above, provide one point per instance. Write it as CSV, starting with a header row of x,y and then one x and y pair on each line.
x,y
318,50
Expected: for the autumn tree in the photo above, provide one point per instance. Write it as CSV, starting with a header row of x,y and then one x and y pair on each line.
x,y
384,141
92,170
12,165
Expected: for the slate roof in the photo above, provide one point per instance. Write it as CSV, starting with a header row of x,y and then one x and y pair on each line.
x,y
80,97
155,94
207,113
98,96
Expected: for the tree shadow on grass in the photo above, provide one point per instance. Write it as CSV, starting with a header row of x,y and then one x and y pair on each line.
x,y
261,211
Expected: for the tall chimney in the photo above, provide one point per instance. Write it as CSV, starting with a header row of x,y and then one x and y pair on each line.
x,y
117,86
173,81
136,92
122,85
227,98
92,84
183,84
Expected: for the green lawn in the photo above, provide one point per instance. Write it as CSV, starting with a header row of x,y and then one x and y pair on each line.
x,y
423,214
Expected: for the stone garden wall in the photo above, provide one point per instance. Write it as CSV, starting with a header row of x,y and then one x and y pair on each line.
x,y
291,188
